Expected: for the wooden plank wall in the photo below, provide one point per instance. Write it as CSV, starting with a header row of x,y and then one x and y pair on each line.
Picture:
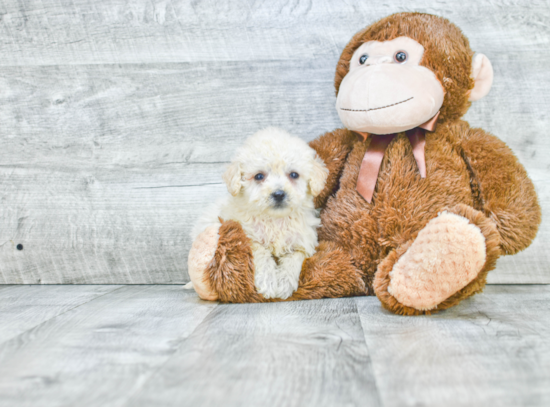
x,y
117,117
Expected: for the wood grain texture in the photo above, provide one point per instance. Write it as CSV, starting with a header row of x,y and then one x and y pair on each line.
x,y
24,307
493,349
108,192
118,118
100,353
160,345
289,354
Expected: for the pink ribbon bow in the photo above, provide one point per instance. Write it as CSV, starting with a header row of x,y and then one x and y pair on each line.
x,y
370,167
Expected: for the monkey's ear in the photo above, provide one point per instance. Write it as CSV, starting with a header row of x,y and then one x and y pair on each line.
x,y
482,72
232,177
319,176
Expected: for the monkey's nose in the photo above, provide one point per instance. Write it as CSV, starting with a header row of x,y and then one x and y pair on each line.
x,y
278,196
380,60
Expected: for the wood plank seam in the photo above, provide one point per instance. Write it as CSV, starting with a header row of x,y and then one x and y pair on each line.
x,y
62,313
154,371
380,401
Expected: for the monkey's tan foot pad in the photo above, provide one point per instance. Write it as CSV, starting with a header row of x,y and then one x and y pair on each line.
x,y
445,257
201,254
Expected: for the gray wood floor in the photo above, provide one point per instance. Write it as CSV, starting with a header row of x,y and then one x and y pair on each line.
x,y
147,345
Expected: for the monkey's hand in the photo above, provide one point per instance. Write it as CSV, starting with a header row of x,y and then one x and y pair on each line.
x,y
506,194
200,256
221,264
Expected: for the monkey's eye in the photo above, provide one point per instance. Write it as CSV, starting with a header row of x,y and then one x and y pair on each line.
x,y
363,59
400,56
259,176
294,175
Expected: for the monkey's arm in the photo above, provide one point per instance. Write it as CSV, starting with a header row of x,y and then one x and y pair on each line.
x,y
507,194
228,276
333,148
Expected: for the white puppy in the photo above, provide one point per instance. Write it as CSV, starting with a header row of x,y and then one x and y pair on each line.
x,y
273,180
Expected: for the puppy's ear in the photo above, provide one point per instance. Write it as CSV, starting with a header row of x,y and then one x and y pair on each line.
x,y
232,177
319,176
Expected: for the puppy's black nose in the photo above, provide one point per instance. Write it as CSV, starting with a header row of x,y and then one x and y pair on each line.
x,y
278,196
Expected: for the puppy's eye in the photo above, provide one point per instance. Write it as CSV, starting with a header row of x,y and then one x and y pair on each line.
x,y
363,59
294,175
259,176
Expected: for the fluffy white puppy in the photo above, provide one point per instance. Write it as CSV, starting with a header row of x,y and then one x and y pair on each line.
x,y
272,180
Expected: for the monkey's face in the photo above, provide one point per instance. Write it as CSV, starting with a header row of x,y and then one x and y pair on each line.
x,y
387,90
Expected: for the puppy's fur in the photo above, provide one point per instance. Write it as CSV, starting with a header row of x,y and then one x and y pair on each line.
x,y
277,211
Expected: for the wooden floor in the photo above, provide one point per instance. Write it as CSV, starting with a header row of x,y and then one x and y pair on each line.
x,y
160,345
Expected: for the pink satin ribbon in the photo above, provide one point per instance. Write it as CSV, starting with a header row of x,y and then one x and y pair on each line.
x,y
370,167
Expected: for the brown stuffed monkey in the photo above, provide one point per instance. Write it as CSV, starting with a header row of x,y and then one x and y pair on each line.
x,y
418,206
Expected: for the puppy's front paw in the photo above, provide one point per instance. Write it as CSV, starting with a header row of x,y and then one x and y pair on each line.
x,y
280,281
290,267
271,284
287,288
276,281
269,280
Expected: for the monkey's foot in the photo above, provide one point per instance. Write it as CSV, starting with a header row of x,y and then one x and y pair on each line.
x,y
447,262
445,257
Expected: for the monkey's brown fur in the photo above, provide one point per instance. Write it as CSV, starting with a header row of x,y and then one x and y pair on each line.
x,y
328,273
470,173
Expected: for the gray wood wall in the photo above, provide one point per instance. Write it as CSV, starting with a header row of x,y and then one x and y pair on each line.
x,y
117,117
